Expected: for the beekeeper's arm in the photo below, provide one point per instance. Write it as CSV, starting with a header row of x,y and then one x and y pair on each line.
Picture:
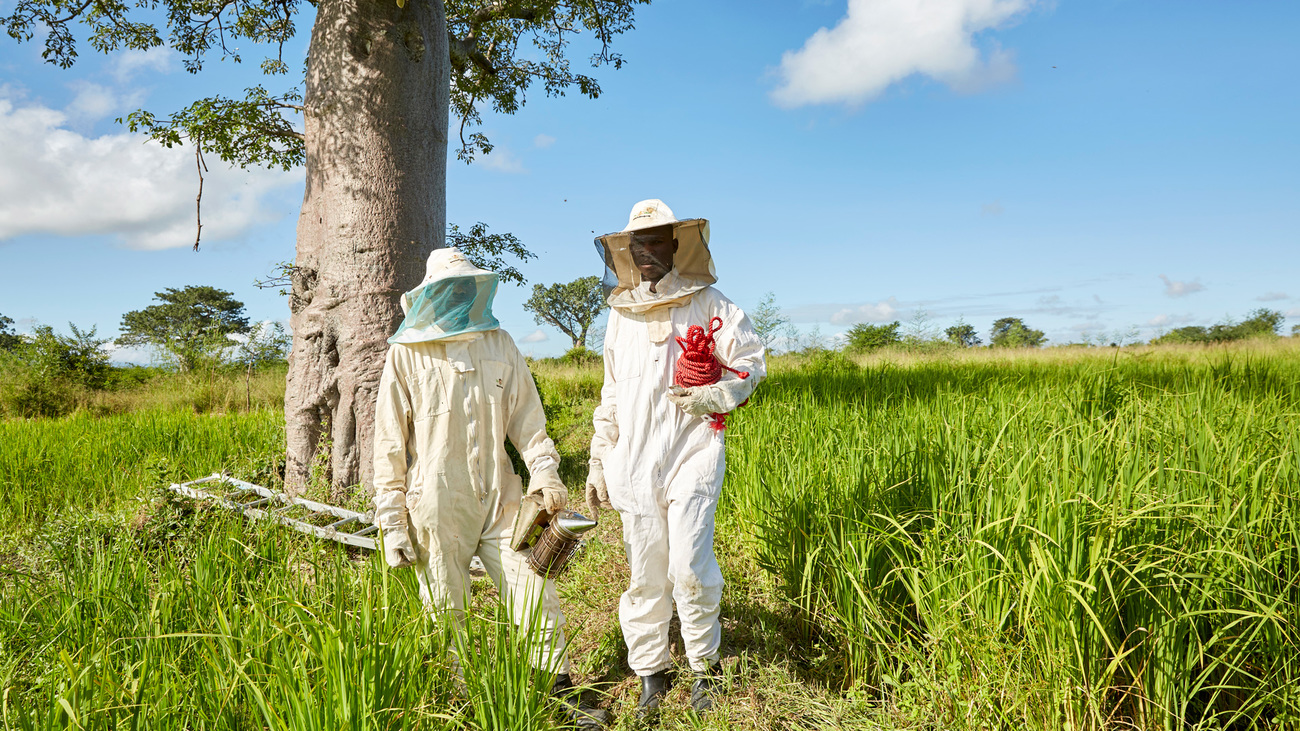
x,y
605,421
738,347
392,429
526,429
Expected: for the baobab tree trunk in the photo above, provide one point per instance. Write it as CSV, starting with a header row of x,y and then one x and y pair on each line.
x,y
376,120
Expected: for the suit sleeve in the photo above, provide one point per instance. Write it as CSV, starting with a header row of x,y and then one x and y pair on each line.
x,y
739,347
605,418
526,426
392,432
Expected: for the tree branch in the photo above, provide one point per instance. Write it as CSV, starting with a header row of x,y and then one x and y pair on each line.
x,y
498,9
466,49
198,199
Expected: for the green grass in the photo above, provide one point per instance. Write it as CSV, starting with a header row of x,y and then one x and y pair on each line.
x,y
1063,539
1082,543
85,463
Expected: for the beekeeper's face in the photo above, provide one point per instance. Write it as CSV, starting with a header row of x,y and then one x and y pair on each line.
x,y
462,292
652,252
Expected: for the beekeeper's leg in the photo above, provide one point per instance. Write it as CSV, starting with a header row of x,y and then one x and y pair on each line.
x,y
695,576
646,607
442,569
692,566
525,593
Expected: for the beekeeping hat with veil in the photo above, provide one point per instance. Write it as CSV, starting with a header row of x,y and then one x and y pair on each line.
x,y
692,264
454,300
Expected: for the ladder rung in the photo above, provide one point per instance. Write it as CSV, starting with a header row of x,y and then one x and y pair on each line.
x,y
337,523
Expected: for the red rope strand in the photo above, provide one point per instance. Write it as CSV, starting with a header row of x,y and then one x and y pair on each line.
x,y
699,366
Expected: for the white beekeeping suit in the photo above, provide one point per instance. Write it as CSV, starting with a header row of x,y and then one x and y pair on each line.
x,y
662,466
454,388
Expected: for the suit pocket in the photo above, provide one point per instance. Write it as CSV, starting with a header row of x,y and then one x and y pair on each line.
x,y
428,394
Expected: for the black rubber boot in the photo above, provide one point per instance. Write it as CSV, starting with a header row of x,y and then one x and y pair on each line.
x,y
705,688
579,716
653,689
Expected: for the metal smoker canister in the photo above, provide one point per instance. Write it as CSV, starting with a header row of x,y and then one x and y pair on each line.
x,y
558,542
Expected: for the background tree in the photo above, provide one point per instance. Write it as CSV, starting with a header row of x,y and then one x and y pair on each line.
x,y
265,344
79,358
380,80
767,320
1260,323
872,337
571,307
920,329
189,327
8,338
1295,331
963,334
1011,332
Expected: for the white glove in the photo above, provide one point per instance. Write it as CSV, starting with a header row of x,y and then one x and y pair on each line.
x,y
722,397
597,493
555,496
391,517
398,551
696,400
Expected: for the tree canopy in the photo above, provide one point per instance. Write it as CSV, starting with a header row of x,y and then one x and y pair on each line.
x,y
498,49
571,307
8,338
188,326
1262,322
871,337
963,334
1012,332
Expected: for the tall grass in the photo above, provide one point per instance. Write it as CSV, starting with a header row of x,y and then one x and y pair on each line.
x,y
244,631
83,463
1044,540
227,628
1078,544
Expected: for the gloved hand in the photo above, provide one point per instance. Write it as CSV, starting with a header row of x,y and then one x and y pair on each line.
x,y
391,517
597,493
555,496
722,397
696,400
398,551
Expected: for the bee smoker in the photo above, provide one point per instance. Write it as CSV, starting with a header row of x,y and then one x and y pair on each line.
x,y
553,538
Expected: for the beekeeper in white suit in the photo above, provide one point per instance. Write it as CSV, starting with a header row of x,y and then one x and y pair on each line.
x,y
655,457
454,388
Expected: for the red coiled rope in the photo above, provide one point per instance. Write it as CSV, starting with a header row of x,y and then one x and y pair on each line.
x,y
698,366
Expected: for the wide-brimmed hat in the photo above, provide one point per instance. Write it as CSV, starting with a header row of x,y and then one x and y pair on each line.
x,y
691,262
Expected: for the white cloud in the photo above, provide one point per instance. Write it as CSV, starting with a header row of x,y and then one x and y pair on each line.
x,y
1293,312
881,42
502,161
1167,320
91,101
992,209
1272,297
1175,288
882,311
56,181
127,63
537,336
543,141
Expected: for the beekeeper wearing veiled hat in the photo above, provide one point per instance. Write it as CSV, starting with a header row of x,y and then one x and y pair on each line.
x,y
454,388
657,456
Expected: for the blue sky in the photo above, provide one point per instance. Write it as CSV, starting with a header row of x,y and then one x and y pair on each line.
x,y
1092,167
